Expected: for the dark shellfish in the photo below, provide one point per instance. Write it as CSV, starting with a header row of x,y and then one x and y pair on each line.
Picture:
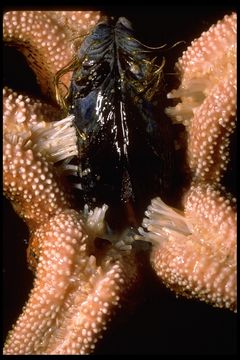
x,y
124,150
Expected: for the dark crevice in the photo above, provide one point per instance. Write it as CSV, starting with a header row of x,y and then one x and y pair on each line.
x,y
17,74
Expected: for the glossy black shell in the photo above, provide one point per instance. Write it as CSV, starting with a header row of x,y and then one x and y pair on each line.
x,y
124,149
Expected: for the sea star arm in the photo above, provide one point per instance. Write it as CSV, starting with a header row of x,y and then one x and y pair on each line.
x,y
76,288
207,70
194,252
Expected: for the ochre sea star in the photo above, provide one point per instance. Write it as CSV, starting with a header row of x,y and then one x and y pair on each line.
x,y
46,216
